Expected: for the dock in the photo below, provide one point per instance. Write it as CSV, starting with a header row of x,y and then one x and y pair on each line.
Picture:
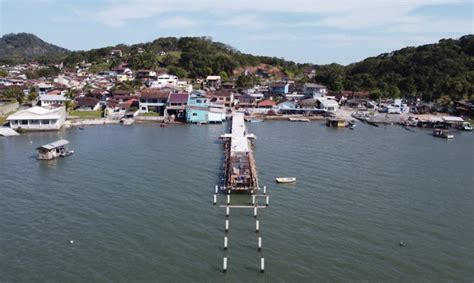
x,y
240,172
239,164
7,132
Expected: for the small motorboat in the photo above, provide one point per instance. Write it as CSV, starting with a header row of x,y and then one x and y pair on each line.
x,y
285,179
81,127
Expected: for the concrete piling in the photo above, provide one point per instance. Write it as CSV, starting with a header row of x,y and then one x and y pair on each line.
x,y
257,226
225,243
262,265
259,243
228,199
227,211
227,225
264,190
255,212
224,265
215,199
267,200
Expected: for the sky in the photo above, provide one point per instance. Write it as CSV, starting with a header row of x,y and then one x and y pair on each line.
x,y
305,31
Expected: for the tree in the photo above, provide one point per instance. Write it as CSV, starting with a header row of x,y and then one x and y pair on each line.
x,y
32,96
15,93
224,76
393,91
375,94
177,71
3,73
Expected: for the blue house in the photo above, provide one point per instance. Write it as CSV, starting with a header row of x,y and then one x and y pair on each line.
x,y
197,110
279,87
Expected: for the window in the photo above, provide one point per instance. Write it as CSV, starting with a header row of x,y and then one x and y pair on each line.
x,y
53,121
44,122
195,114
24,122
34,122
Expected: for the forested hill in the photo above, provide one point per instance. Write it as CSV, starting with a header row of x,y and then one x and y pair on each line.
x,y
430,71
185,56
25,47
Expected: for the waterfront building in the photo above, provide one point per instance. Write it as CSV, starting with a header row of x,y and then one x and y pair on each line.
x,y
38,118
154,100
326,104
279,88
176,105
224,96
87,104
314,90
51,99
201,110
213,82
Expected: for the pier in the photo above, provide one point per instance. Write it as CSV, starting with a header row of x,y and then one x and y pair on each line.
x,y
239,164
241,176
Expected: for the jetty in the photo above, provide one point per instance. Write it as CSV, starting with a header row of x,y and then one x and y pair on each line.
x,y
239,164
241,177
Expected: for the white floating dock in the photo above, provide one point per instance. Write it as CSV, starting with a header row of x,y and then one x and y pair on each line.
x,y
7,132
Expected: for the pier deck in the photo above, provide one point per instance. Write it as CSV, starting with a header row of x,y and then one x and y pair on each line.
x,y
240,168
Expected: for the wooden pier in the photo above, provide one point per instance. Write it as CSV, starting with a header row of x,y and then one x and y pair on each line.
x,y
240,176
240,169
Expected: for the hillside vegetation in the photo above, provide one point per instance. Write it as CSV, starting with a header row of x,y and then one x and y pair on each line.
x,y
26,47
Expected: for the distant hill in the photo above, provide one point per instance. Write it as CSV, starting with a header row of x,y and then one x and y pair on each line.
x,y
431,71
25,47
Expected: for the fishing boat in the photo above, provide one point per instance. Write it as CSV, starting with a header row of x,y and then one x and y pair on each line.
x,y
439,133
295,119
285,179
253,120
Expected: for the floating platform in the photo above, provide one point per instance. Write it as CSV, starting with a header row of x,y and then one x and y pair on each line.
x,y
239,164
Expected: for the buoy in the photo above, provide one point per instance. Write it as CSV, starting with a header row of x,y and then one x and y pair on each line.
x,y
262,265
72,242
402,244
257,226
224,265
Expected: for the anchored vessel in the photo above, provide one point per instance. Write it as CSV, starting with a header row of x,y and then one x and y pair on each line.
x,y
239,164
54,150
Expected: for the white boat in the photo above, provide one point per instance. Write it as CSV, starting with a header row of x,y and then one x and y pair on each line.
x,y
285,179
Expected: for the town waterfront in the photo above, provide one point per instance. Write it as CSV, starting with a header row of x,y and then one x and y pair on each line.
x,y
137,203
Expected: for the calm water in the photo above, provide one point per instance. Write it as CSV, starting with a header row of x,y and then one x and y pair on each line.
x,y
137,202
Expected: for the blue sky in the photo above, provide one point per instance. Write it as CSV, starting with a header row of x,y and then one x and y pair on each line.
x,y
317,31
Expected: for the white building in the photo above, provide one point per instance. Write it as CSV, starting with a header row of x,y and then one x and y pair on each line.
x,y
53,100
44,88
38,118
164,80
314,90
213,82
327,104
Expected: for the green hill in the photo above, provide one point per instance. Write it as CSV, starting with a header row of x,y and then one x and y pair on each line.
x,y
25,47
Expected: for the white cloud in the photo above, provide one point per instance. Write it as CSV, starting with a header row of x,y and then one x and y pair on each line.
x,y
245,21
178,22
389,15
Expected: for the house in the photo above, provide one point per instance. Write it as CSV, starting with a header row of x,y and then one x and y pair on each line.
x,y
145,74
176,105
247,101
309,72
224,97
153,100
44,88
325,104
48,99
314,90
200,109
279,88
286,105
38,118
213,82
116,53
266,104
87,104
164,80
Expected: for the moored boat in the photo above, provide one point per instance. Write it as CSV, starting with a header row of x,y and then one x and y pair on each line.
x,y
285,179
54,150
439,133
